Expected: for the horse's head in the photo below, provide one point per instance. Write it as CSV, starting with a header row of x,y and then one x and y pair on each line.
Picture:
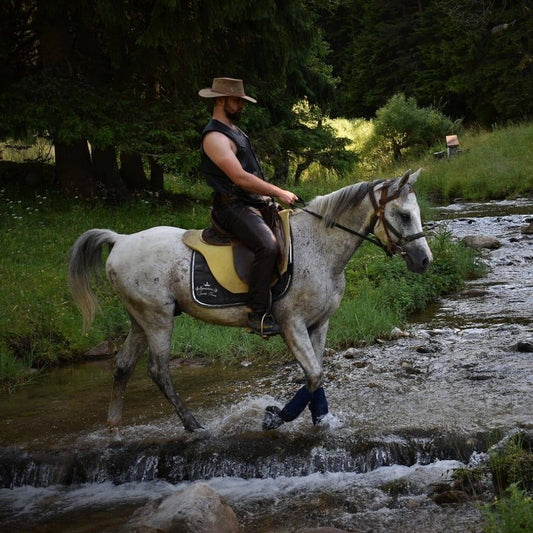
x,y
398,224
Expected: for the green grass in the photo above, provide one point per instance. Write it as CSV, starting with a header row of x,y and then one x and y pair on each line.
x,y
492,166
511,466
511,514
40,326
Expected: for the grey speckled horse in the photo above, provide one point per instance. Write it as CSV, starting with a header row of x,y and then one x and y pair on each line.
x,y
150,271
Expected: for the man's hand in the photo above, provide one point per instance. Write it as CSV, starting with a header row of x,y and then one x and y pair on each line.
x,y
286,197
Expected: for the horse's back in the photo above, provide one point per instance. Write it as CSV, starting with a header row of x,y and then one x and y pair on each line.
x,y
144,262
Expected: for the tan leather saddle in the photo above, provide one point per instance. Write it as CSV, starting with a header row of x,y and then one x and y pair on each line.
x,y
230,261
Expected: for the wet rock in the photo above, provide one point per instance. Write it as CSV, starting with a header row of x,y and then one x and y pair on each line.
x,y
198,509
482,241
527,230
409,368
352,353
104,349
427,349
397,333
450,497
524,346
474,293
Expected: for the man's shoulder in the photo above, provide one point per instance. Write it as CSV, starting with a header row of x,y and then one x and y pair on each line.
x,y
215,125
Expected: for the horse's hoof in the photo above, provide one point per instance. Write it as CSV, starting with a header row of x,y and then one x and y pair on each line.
x,y
116,438
272,418
193,428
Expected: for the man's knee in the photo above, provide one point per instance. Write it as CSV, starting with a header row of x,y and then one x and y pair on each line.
x,y
271,248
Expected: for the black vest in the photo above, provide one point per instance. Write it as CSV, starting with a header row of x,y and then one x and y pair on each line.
x,y
216,179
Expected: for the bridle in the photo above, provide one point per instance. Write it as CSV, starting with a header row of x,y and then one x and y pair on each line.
x,y
391,247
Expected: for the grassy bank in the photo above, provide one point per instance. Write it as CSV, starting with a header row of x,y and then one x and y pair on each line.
x,y
40,327
492,165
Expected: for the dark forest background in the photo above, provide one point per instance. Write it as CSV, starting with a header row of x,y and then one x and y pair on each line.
x,y
113,83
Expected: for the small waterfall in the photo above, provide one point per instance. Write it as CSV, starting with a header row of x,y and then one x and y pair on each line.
x,y
246,457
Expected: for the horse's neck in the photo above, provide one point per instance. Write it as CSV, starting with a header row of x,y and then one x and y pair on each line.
x,y
334,245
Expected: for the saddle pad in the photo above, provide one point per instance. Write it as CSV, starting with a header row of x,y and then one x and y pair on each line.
x,y
220,257
219,260
207,292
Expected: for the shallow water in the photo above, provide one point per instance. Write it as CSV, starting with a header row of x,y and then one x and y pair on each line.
x,y
404,414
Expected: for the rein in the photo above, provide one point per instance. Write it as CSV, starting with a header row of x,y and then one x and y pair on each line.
x,y
391,247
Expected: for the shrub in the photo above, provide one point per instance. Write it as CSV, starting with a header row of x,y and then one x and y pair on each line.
x,y
400,125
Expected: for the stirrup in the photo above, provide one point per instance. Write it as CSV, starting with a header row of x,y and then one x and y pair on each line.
x,y
265,326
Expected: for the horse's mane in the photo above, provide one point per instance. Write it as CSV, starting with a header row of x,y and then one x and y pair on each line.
x,y
333,205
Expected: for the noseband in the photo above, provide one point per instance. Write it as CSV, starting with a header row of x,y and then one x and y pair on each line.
x,y
391,247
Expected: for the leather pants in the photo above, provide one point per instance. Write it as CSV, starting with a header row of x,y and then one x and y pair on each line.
x,y
248,225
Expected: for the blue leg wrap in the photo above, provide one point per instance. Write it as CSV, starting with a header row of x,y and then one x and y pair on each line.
x,y
295,407
318,405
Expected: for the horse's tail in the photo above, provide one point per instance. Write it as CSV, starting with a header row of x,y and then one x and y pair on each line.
x,y
85,260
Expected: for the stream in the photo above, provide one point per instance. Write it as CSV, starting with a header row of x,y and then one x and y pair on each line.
x,y
404,414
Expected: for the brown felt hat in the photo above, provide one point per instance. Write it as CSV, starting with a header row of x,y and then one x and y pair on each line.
x,y
226,87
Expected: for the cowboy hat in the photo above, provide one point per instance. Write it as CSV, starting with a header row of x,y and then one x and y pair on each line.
x,y
226,87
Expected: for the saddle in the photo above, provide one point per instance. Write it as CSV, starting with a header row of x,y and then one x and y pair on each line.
x,y
221,264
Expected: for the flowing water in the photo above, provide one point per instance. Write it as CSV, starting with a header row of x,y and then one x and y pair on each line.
x,y
404,414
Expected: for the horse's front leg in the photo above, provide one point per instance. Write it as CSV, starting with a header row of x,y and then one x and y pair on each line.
x,y
318,404
308,348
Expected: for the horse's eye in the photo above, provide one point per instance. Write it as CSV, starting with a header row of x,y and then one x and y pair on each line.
x,y
406,217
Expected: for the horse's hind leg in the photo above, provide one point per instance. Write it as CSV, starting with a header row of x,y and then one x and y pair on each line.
x,y
159,370
125,361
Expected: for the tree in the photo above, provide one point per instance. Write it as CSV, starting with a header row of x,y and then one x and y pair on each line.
x,y
471,58
402,124
124,76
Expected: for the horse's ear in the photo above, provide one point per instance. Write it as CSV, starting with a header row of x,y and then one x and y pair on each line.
x,y
404,179
413,177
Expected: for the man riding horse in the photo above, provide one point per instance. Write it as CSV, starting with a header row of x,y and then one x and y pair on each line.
x,y
241,194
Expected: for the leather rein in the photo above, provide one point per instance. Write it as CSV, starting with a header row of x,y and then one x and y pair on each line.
x,y
391,247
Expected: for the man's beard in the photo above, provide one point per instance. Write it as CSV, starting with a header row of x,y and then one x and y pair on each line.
x,y
234,116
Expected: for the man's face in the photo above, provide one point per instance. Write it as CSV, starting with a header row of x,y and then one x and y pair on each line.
x,y
233,107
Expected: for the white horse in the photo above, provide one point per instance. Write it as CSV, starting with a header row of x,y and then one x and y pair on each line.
x,y
150,271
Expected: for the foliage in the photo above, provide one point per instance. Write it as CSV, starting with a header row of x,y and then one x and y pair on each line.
x,y
511,514
400,124
472,58
493,164
511,463
126,75
41,327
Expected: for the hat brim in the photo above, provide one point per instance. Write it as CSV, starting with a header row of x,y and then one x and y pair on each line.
x,y
208,93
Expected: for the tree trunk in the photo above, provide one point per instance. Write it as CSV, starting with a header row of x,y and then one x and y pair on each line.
x,y
304,165
107,172
132,171
74,169
281,170
157,181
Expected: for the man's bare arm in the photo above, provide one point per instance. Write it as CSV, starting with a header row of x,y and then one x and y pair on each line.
x,y
221,150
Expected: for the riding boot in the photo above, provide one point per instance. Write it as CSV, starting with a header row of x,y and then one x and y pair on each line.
x,y
263,324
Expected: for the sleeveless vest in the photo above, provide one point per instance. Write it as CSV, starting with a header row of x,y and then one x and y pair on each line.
x,y
216,179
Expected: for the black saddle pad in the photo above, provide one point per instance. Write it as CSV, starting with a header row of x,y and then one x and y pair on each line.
x,y
207,292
